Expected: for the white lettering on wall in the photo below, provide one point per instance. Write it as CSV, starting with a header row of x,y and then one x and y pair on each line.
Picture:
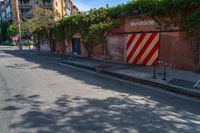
x,y
143,23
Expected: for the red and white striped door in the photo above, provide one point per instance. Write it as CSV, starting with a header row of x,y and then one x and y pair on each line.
x,y
143,48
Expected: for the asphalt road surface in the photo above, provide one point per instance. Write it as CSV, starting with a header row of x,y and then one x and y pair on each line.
x,y
38,96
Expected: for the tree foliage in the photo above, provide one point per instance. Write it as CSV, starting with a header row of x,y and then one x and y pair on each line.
x,y
3,28
91,26
97,36
12,30
41,24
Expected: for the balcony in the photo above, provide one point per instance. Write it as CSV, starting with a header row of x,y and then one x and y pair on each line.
x,y
47,5
7,4
7,1
25,6
25,15
10,19
9,16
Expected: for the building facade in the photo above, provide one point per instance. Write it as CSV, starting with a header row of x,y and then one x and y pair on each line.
x,y
5,11
141,42
8,8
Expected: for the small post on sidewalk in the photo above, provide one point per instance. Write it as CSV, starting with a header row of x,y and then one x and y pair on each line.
x,y
154,72
165,71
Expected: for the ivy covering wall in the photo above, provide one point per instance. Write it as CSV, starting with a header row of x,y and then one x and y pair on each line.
x,y
182,13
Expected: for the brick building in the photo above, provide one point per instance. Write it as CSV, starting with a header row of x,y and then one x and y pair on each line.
x,y
142,42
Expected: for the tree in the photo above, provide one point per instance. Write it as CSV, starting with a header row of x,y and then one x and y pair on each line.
x,y
99,23
42,24
12,30
97,36
59,34
4,26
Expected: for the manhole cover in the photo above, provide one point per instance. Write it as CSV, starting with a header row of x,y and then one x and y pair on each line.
x,y
183,83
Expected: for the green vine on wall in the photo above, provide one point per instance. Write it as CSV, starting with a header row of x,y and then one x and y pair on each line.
x,y
182,13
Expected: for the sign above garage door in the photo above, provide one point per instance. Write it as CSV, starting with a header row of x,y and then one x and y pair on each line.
x,y
143,23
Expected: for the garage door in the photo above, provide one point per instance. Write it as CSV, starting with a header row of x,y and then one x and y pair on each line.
x,y
143,48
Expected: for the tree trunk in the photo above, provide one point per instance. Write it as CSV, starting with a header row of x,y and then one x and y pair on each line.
x,y
37,43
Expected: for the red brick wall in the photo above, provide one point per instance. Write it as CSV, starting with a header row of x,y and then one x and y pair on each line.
x,y
175,49
58,48
116,47
68,47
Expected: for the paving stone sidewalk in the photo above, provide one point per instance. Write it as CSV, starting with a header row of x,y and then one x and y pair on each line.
x,y
176,80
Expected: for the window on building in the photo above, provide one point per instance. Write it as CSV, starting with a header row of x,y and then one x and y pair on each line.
x,y
36,2
68,5
3,6
9,16
7,1
46,2
3,16
68,11
24,1
8,10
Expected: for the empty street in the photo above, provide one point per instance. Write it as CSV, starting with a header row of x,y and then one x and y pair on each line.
x,y
38,96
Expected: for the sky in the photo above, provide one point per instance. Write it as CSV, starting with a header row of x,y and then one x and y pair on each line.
x,y
85,5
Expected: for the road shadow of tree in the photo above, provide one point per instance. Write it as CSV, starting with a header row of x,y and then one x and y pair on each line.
x,y
76,114
152,113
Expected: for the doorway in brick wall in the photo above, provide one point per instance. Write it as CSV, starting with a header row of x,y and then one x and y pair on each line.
x,y
76,46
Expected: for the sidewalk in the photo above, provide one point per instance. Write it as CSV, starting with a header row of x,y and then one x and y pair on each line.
x,y
176,80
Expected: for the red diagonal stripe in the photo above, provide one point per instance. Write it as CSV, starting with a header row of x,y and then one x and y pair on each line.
x,y
136,46
130,41
151,53
155,61
146,45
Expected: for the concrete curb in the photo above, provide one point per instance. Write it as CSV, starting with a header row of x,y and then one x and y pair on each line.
x,y
167,87
79,65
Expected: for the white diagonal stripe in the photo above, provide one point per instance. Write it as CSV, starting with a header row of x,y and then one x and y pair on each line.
x,y
139,48
133,44
148,50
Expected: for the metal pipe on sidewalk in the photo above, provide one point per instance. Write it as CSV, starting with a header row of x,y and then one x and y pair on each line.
x,y
154,72
165,71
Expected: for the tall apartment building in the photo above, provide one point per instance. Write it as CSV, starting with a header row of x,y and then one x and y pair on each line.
x,y
8,8
5,11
